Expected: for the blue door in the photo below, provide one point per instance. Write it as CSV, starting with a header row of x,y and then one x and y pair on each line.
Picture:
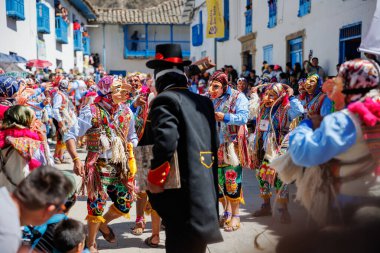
x,y
295,46
268,54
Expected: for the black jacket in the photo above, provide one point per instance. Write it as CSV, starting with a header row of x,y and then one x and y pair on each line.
x,y
183,121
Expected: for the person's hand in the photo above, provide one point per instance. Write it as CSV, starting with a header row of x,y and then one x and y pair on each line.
x,y
78,168
140,101
154,188
60,124
290,91
254,89
48,86
219,116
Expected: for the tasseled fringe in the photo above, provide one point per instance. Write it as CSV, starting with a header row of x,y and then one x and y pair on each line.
x,y
282,200
118,154
131,160
240,199
95,219
254,106
104,142
60,145
93,183
266,196
230,156
113,209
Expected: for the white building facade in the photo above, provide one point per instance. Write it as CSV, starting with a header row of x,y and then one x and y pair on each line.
x,y
121,51
34,31
281,31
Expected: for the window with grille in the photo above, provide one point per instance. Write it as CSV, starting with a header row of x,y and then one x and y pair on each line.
x,y
305,8
268,54
349,41
272,13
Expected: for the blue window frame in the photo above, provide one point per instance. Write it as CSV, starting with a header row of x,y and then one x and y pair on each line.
x,y
295,50
78,40
349,41
268,54
272,13
118,72
86,46
146,46
43,20
197,32
305,8
15,9
226,13
248,17
61,30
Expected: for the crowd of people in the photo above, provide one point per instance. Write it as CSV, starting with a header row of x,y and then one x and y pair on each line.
x,y
151,140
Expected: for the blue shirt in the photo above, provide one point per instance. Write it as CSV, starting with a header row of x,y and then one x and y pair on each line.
x,y
240,117
309,147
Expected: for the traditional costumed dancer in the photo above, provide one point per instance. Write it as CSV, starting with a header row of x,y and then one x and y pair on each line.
x,y
231,112
140,109
110,166
63,117
341,155
278,108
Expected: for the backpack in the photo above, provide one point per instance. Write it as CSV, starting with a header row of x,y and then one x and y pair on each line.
x,y
34,234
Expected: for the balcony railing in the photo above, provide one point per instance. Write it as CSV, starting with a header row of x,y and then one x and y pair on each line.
x,y
78,40
61,30
143,49
86,46
43,20
15,9
248,21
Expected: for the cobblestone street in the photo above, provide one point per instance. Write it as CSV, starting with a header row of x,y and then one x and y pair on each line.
x,y
240,241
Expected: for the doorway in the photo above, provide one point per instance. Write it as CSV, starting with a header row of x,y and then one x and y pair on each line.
x,y
247,59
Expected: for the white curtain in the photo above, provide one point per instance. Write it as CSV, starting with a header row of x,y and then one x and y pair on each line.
x,y
371,42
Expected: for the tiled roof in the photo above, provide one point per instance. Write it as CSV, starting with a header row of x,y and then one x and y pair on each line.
x,y
169,12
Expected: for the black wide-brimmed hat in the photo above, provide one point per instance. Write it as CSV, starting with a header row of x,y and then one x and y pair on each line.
x,y
167,55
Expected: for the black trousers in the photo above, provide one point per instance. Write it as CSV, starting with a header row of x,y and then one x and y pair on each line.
x,y
180,240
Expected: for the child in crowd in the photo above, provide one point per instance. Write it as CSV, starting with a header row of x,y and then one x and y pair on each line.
x,y
69,237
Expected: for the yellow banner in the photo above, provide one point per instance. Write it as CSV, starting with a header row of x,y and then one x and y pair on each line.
x,y
215,20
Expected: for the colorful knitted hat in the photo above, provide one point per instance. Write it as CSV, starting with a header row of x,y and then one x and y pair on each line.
x,y
359,77
104,85
219,76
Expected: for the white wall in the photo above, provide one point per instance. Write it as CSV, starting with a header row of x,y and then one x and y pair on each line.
x,y
229,51
21,36
114,53
208,46
321,27
114,44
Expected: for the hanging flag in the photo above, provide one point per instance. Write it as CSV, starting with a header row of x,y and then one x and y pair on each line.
x,y
215,20
371,42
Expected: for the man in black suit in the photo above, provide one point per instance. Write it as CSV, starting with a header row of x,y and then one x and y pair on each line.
x,y
182,121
